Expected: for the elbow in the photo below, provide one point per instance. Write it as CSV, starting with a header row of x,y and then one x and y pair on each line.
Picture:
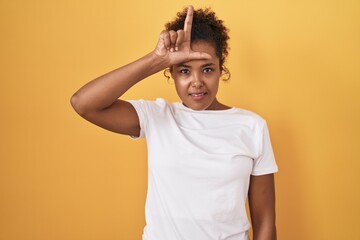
x,y
77,104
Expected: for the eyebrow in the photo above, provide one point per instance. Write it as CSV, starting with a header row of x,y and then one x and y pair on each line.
x,y
188,66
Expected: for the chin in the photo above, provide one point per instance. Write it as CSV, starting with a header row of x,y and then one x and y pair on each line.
x,y
197,105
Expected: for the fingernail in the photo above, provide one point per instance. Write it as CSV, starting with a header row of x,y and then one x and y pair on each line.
x,y
176,48
171,49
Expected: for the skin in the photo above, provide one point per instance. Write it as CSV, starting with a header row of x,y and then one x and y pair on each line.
x,y
196,72
197,81
262,207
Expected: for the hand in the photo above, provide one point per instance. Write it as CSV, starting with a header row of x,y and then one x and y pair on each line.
x,y
175,47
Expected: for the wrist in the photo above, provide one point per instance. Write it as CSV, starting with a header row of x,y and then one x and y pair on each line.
x,y
157,63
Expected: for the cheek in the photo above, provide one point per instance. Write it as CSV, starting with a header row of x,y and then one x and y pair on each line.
x,y
181,81
213,84
180,86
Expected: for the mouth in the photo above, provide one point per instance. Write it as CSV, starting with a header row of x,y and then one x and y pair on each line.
x,y
197,96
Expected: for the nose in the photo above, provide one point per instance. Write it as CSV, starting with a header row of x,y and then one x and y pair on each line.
x,y
197,82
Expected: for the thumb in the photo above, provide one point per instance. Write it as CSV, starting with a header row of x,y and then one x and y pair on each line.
x,y
199,56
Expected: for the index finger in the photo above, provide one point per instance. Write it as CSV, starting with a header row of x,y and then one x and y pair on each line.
x,y
188,22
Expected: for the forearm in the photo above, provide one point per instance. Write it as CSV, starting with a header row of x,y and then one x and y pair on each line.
x,y
262,207
265,231
106,89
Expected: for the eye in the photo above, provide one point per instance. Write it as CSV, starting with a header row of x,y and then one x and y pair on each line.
x,y
208,70
184,71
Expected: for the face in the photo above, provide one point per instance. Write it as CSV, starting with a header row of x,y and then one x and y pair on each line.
x,y
197,81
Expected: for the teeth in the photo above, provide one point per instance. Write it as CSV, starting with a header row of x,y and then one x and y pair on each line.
x,y
197,94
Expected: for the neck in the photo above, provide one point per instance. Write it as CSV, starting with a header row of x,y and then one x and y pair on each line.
x,y
216,105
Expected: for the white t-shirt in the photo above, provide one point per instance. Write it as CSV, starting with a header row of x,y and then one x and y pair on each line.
x,y
199,167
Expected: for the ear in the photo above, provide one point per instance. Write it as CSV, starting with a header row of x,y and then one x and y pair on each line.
x,y
167,73
225,74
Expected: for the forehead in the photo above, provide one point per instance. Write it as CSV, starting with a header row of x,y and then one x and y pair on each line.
x,y
204,46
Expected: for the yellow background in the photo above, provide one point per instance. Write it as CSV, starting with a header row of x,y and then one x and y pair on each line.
x,y
296,63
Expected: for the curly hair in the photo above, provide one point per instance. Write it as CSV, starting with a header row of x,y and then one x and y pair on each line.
x,y
207,27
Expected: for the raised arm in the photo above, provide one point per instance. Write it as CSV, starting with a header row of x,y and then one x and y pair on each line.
x,y
98,101
262,207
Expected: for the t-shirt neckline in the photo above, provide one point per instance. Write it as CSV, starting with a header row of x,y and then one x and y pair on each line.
x,y
182,106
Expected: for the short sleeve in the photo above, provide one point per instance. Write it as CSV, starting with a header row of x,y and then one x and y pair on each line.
x,y
141,110
265,163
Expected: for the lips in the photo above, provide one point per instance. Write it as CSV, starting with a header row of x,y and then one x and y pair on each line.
x,y
200,94
197,96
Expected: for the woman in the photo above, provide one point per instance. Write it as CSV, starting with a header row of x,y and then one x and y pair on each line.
x,y
204,157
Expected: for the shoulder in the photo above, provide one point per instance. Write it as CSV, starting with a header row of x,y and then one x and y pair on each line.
x,y
250,116
156,104
152,109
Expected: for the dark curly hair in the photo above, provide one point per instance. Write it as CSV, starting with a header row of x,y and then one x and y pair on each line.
x,y
207,27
